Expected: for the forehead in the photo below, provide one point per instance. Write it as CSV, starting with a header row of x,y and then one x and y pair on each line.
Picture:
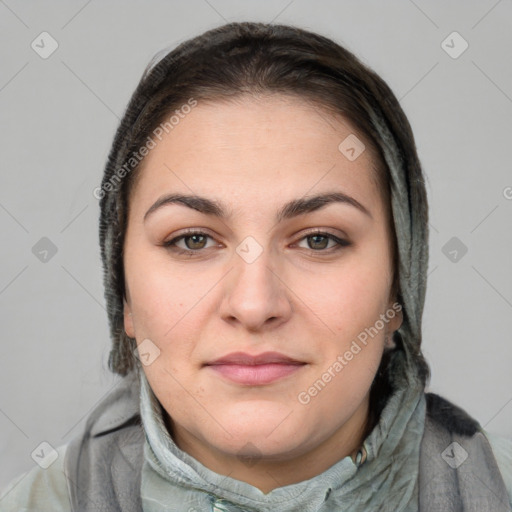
x,y
273,144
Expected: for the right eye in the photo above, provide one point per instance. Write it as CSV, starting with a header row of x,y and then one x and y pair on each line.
x,y
193,241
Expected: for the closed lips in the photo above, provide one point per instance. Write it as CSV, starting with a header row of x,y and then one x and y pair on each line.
x,y
242,358
255,370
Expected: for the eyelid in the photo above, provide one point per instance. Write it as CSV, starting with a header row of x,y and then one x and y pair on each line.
x,y
341,241
322,231
189,232
184,234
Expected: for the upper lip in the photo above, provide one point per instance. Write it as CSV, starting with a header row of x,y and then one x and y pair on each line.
x,y
242,358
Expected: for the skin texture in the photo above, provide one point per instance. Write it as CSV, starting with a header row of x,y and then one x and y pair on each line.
x,y
299,297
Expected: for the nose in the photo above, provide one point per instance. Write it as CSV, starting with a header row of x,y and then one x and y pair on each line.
x,y
255,295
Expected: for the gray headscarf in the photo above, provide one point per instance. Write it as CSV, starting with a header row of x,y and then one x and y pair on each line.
x,y
195,66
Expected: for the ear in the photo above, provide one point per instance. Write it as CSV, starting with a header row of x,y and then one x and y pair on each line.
x,y
128,320
395,315
395,308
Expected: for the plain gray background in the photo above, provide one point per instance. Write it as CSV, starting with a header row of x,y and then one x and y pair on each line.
x,y
58,117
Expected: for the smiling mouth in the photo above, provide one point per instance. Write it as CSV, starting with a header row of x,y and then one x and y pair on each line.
x,y
258,370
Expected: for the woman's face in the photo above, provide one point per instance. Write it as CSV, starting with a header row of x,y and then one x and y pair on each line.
x,y
262,333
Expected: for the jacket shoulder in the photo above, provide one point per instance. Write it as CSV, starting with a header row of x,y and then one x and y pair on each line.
x,y
454,419
459,468
44,490
50,490
105,461
502,449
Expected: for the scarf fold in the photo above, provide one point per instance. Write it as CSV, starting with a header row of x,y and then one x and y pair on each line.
x,y
172,480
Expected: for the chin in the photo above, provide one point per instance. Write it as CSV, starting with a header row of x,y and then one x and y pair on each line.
x,y
255,445
262,426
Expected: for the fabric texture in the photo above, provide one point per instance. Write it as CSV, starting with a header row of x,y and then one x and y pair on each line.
x,y
39,490
458,470
102,476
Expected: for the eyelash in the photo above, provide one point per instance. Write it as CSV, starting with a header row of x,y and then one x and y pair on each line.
x,y
170,244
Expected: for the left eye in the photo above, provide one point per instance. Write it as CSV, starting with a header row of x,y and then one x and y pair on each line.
x,y
320,241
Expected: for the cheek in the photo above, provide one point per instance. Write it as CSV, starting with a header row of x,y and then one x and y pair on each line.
x,y
349,302
159,297
171,307
349,298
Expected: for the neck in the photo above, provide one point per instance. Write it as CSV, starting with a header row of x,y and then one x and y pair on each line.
x,y
268,472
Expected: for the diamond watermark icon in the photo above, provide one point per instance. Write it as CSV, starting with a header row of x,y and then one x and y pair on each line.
x,y
44,455
44,45
454,45
44,250
249,249
146,352
351,147
454,455
454,249
249,454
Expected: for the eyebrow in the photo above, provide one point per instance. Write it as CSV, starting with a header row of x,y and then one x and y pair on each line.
x,y
291,209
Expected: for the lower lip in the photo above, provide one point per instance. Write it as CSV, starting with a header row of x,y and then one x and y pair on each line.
x,y
255,375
